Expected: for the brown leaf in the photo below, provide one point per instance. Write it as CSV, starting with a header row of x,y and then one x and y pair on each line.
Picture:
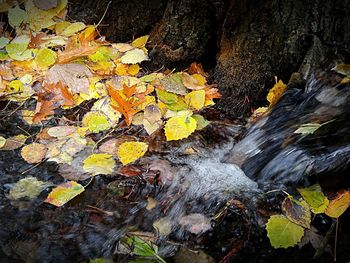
x,y
73,75
129,170
197,69
338,204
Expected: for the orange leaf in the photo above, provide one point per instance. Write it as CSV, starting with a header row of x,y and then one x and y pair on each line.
x,y
197,69
37,40
338,205
212,93
78,46
128,105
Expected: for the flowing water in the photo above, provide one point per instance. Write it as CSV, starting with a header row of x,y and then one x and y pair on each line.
x,y
211,191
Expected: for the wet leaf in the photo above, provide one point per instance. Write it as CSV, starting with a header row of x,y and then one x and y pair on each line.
x,y
99,163
129,171
46,4
163,226
140,42
343,69
34,152
73,29
63,193
297,211
75,76
129,152
101,260
2,141
308,128
194,82
201,121
315,198
61,131
339,204
282,232
196,68
173,83
134,56
196,99
179,127
28,187
17,16
276,92
45,58
14,142
96,121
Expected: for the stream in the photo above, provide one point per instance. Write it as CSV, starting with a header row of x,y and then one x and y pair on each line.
x,y
212,196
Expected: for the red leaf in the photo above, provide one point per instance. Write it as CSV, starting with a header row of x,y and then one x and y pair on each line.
x,y
129,170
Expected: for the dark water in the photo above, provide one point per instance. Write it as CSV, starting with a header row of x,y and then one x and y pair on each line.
x,y
91,225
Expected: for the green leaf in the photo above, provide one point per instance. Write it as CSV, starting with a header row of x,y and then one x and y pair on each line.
x,y
45,58
101,260
308,128
17,16
134,56
142,248
282,232
166,97
297,211
99,163
315,198
201,121
179,127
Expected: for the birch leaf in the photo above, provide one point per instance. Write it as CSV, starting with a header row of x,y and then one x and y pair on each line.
x,y
129,152
134,56
179,127
64,193
338,205
282,232
315,198
99,163
34,152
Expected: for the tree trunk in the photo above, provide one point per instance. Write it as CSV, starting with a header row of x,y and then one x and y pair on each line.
x,y
245,43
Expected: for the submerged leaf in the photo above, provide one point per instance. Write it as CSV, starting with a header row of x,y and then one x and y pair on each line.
x,y
282,232
99,163
315,198
28,187
64,193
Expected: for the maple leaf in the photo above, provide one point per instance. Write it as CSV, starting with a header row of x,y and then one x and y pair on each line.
x,y
128,105
52,97
79,46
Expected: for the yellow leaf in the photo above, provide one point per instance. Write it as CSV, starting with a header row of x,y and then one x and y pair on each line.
x,y
14,142
64,193
179,127
276,92
140,42
133,69
96,121
34,152
99,163
339,204
73,28
134,56
2,141
45,58
196,99
129,152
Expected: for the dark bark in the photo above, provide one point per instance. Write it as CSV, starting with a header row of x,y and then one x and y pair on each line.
x,y
246,43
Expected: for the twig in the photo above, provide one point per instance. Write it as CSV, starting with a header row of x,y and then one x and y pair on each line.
x,y
31,168
104,14
335,241
13,111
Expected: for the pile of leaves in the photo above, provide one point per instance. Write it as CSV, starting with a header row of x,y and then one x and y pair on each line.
x,y
59,66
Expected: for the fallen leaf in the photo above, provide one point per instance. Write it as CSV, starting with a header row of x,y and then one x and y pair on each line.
x,y
64,193
173,83
201,121
34,152
140,42
196,68
282,232
179,127
297,211
73,29
196,99
45,58
343,69
163,226
129,152
99,163
129,171
61,131
14,142
75,76
339,204
2,141
315,198
134,56
308,128
193,82
96,121
16,16
276,92
28,187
